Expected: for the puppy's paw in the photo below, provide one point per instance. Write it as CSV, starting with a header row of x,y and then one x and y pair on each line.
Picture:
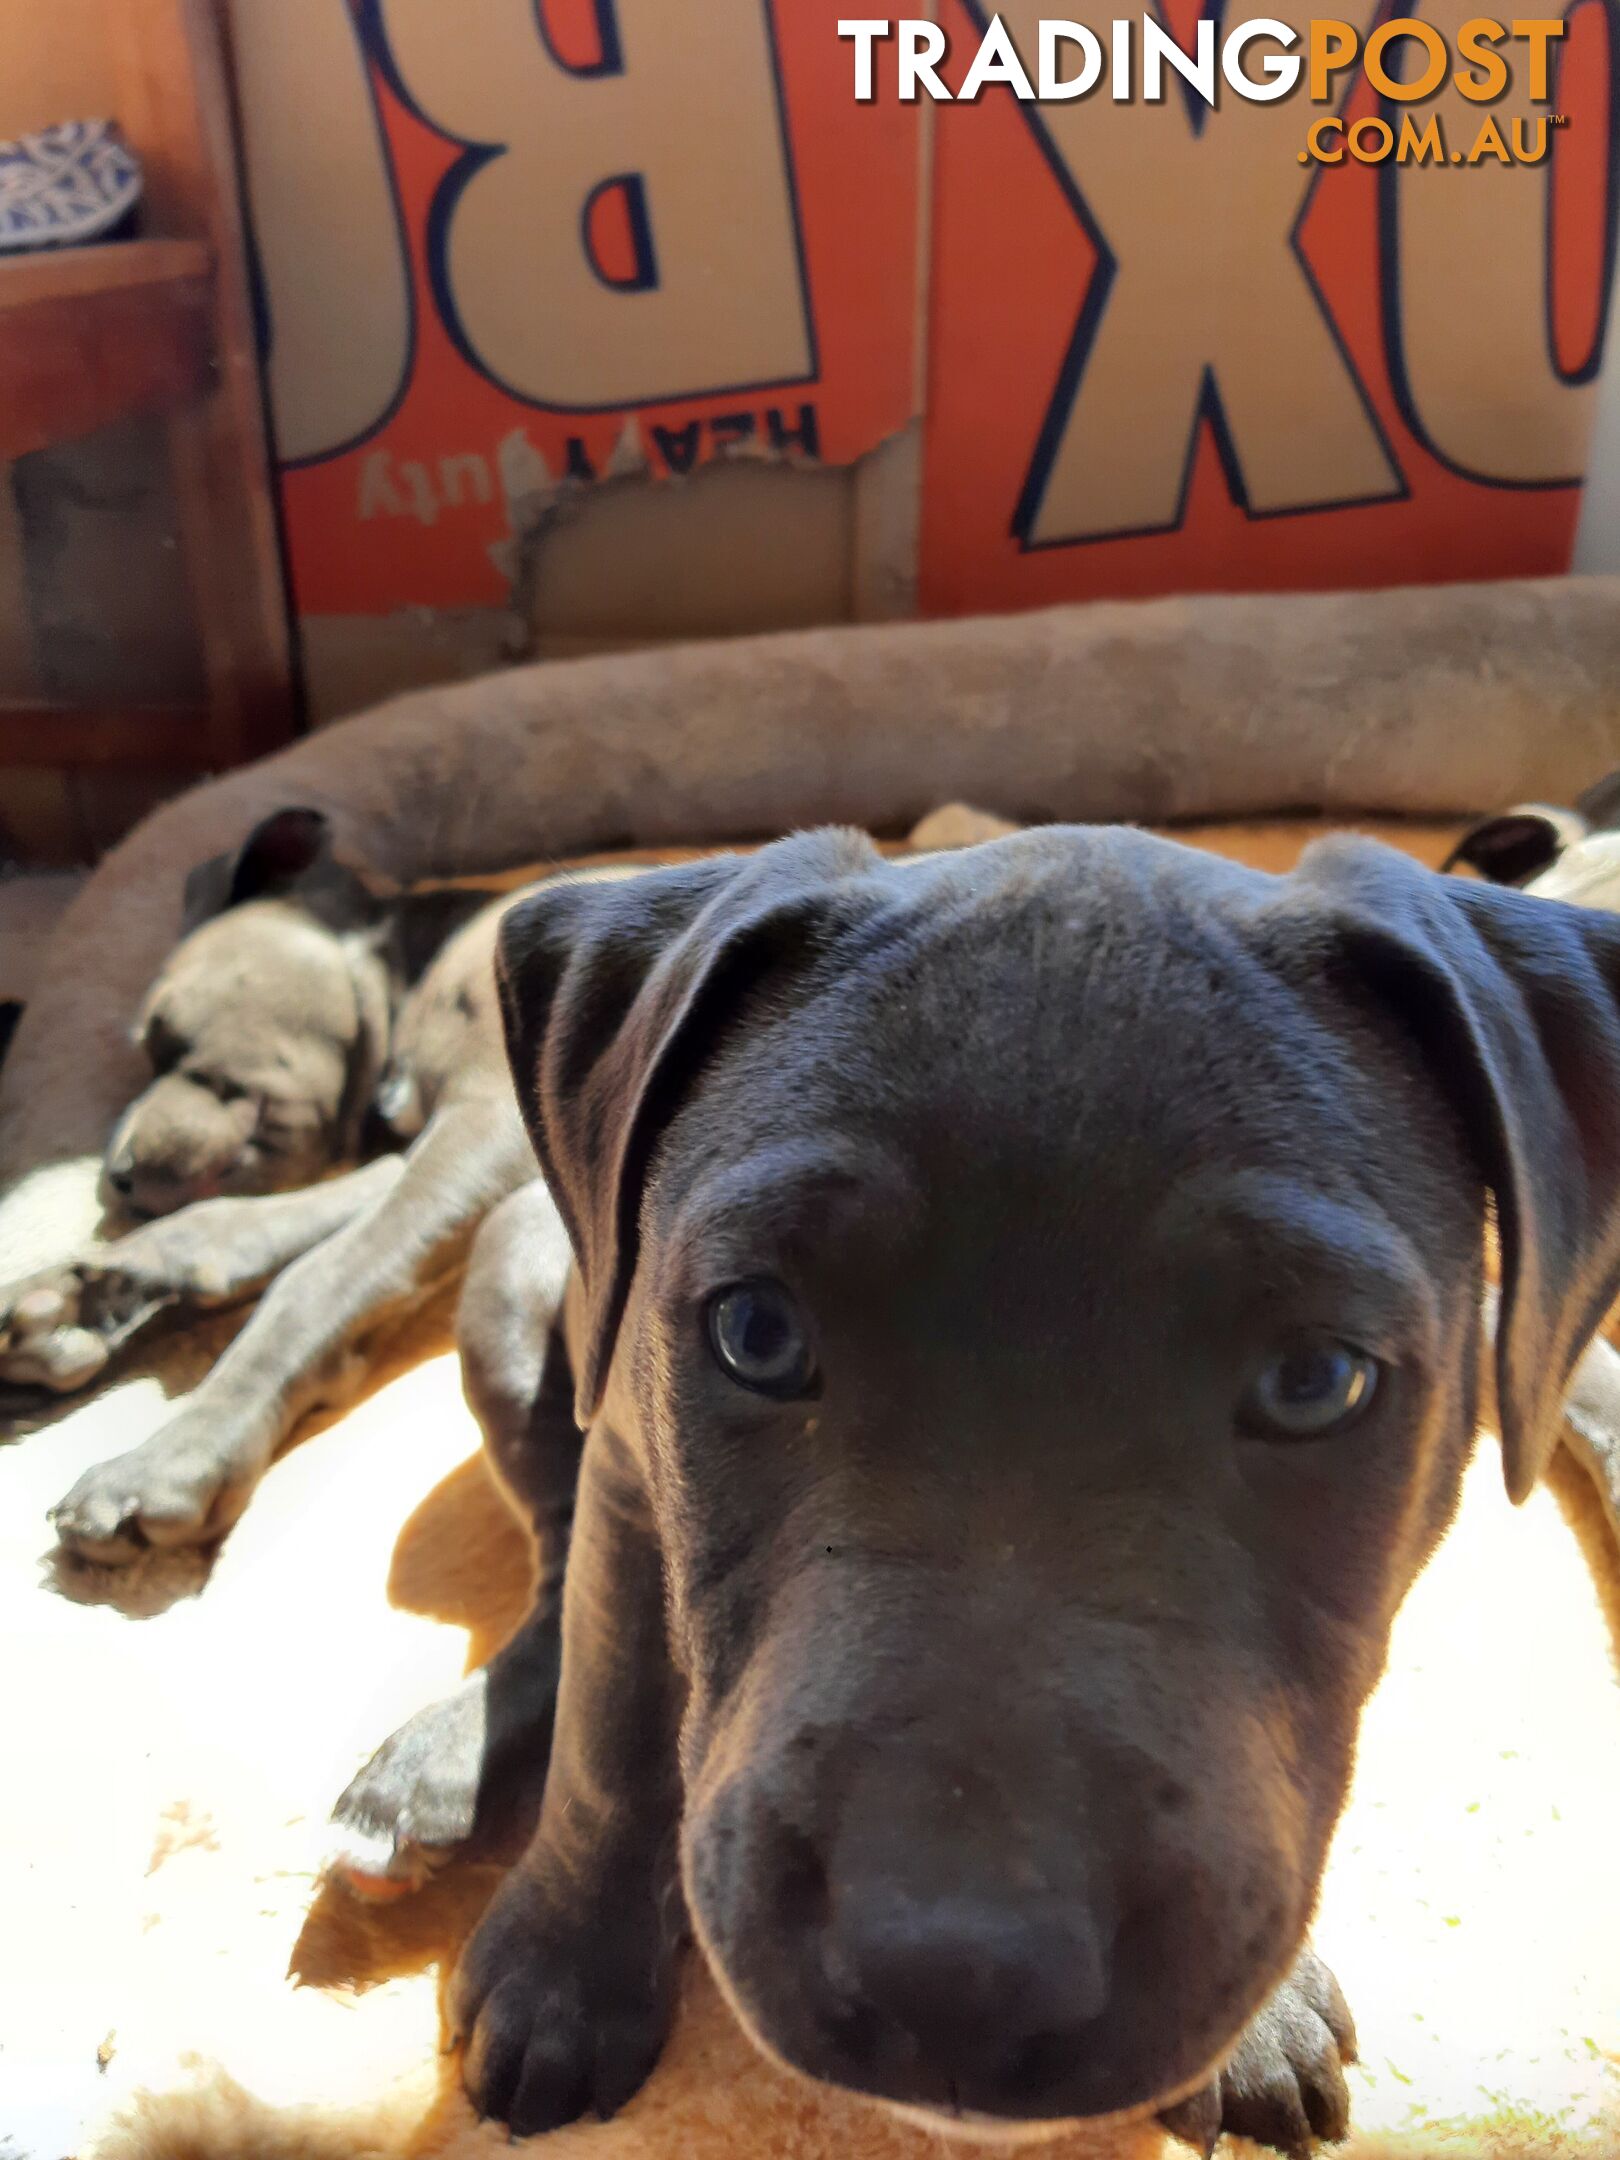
x,y
1284,2085
59,1328
181,1487
560,2013
415,1800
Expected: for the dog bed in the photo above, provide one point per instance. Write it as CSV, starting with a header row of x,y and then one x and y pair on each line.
x,y
1417,702
176,1984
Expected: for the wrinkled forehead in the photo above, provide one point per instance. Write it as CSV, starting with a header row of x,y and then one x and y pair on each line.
x,y
1067,1040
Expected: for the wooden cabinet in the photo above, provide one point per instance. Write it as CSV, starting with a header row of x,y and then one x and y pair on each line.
x,y
158,326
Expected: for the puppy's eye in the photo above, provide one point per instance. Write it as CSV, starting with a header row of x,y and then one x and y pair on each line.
x,y
759,1339
1316,1386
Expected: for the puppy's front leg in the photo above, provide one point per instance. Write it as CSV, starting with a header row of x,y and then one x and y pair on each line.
x,y
423,1791
61,1328
188,1483
562,1997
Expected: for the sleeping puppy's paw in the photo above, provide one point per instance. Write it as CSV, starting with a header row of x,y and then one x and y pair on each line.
x,y
1284,2085
58,1329
415,1800
561,2011
184,1486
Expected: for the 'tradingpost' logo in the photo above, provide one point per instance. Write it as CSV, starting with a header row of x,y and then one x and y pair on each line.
x,y
1407,61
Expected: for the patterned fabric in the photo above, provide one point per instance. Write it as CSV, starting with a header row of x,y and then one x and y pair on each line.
x,y
70,184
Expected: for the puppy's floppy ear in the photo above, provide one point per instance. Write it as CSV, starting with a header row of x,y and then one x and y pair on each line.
x,y
1514,1003
613,992
1518,844
281,849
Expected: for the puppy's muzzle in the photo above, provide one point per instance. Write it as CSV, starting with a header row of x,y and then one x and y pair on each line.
x,y
952,1933
970,2004
951,1976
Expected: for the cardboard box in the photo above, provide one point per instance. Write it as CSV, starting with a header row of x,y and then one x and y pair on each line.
x,y
593,321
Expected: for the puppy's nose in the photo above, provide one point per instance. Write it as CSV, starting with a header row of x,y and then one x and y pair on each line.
x,y
993,1997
